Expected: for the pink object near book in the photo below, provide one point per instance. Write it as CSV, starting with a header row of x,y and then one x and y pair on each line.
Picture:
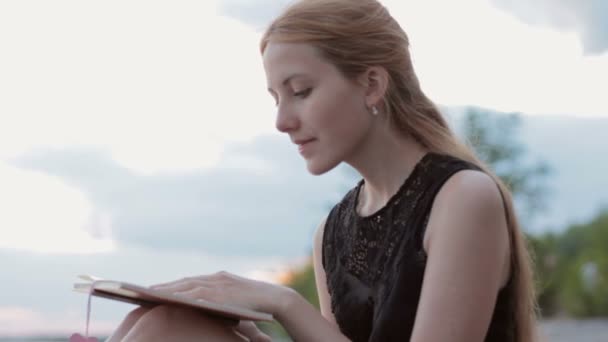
x,y
136,294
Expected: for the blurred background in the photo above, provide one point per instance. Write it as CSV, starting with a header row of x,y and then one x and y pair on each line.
x,y
137,142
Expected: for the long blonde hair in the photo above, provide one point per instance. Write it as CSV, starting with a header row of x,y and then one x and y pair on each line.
x,y
356,35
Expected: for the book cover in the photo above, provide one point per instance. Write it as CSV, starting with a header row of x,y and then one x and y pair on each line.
x,y
145,296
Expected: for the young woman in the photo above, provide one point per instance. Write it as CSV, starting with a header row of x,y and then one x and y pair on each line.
x,y
425,248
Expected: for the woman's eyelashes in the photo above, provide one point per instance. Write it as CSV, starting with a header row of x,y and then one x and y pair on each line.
x,y
302,93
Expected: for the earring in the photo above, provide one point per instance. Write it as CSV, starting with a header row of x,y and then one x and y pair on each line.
x,y
374,110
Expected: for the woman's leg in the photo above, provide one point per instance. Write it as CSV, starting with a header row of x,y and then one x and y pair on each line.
x,y
128,323
169,323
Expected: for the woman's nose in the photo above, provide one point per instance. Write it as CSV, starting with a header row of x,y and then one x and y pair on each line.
x,y
286,120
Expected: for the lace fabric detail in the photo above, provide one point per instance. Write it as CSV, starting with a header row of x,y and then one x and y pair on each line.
x,y
375,264
365,246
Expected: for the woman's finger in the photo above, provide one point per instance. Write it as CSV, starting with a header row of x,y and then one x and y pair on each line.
x,y
201,292
171,283
197,280
251,331
179,285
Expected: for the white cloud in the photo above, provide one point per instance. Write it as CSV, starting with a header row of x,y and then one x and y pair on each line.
x,y
244,197
586,18
40,213
471,53
162,85
257,13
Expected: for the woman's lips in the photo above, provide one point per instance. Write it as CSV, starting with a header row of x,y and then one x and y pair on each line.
x,y
304,146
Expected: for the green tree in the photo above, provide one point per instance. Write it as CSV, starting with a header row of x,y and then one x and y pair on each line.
x,y
583,268
495,137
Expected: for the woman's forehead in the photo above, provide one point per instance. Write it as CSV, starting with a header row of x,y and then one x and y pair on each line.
x,y
283,61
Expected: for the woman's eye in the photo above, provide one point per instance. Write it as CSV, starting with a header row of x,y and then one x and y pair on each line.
x,y
303,93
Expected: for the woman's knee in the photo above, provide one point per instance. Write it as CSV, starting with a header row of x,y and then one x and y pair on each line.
x,y
157,318
134,315
127,323
179,324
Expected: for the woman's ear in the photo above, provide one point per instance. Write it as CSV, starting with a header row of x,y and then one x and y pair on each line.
x,y
375,82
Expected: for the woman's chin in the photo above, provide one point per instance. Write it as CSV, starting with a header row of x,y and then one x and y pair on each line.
x,y
318,167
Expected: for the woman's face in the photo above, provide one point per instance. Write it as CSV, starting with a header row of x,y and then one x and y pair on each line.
x,y
323,112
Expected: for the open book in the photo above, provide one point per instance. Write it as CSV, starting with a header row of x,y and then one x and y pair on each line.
x,y
140,295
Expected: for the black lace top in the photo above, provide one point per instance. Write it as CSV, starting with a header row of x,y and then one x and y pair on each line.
x,y
375,264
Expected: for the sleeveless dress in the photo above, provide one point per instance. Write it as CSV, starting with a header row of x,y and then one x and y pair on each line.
x,y
375,264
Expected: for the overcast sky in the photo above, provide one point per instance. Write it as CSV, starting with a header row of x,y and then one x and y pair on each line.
x,y
137,136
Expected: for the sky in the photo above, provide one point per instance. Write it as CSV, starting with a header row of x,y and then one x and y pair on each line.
x,y
137,138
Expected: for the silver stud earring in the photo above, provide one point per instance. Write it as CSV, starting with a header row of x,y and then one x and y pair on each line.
x,y
374,110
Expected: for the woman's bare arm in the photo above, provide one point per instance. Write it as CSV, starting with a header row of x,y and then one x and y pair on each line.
x,y
320,278
468,260
301,320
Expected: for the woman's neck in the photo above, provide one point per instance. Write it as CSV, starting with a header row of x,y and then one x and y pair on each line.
x,y
385,161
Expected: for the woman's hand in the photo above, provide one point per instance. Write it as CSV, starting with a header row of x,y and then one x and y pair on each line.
x,y
230,289
251,332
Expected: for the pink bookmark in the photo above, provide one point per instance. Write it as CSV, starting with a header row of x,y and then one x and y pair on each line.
x,y
79,338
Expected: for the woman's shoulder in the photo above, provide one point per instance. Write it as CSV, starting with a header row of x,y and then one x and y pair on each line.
x,y
442,161
470,203
470,185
